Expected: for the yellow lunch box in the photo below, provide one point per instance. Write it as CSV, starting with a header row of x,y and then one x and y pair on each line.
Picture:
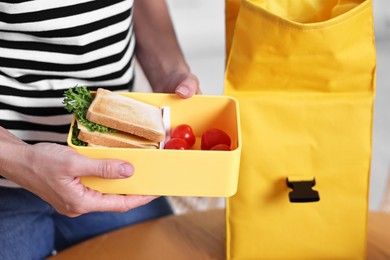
x,y
192,172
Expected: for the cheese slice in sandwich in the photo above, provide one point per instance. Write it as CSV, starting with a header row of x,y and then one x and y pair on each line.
x,y
113,139
127,115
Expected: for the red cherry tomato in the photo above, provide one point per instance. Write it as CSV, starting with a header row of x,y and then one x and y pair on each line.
x,y
176,144
185,132
220,147
212,137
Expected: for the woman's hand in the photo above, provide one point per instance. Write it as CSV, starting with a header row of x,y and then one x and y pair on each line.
x,y
53,172
185,85
188,87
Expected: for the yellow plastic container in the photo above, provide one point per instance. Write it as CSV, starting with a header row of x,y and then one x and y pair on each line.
x,y
178,172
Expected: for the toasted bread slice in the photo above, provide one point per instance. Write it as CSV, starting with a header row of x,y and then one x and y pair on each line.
x,y
127,114
114,139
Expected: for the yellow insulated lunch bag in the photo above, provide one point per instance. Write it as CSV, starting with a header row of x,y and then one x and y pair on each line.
x,y
304,75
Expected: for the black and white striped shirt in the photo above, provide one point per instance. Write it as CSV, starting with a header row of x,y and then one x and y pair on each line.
x,y
48,46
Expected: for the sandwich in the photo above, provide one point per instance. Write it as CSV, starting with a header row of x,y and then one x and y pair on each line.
x,y
112,120
118,139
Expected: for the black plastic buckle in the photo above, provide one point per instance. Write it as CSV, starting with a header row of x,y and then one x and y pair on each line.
x,y
302,190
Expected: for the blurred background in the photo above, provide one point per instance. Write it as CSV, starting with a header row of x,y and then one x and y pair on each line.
x,y
200,28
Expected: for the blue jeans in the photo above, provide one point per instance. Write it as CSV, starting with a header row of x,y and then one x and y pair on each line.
x,y
31,229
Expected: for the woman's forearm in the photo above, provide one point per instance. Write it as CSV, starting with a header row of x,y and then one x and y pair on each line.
x,y
12,155
157,50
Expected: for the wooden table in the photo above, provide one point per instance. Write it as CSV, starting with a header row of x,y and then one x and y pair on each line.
x,y
199,235
378,237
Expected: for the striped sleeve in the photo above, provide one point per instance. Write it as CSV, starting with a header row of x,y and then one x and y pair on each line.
x,y
47,46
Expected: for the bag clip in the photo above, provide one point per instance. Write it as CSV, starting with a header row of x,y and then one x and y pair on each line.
x,y
302,189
